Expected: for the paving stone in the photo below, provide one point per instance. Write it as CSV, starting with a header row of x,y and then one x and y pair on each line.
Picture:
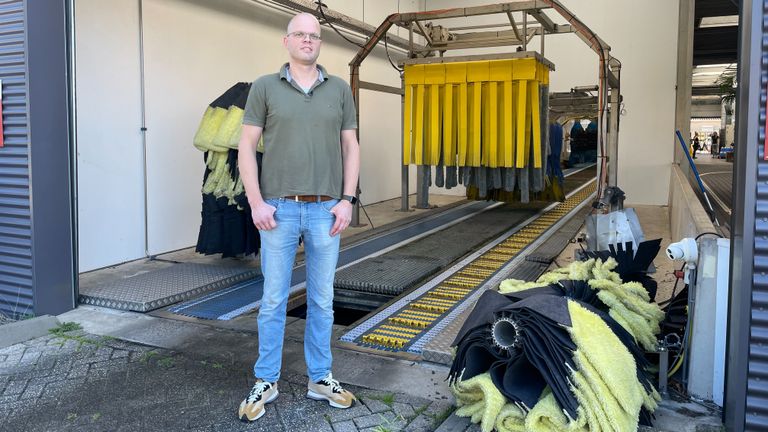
x,y
387,419
120,353
345,426
356,410
403,410
421,423
375,405
33,392
30,357
13,349
15,387
78,371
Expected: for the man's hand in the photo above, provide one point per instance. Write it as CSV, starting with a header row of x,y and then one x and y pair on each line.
x,y
263,216
343,213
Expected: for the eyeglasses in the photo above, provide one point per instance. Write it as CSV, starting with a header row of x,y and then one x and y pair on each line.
x,y
301,36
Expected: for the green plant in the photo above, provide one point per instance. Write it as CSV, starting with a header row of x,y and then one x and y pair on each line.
x,y
727,85
148,356
65,327
166,362
387,399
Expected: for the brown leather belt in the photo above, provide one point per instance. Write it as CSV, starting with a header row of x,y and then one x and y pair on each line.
x,y
308,198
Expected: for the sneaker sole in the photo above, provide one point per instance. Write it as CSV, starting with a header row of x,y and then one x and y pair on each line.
x,y
244,418
318,397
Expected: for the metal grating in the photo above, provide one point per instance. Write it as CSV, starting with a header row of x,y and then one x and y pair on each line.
x,y
153,290
16,278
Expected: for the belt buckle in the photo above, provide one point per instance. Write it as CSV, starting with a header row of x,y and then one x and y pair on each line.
x,y
296,198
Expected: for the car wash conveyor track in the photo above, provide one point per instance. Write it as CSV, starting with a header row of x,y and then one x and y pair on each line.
x,y
410,322
237,300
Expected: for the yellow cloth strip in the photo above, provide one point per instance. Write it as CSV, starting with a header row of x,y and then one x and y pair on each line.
x,y
520,124
462,138
493,125
536,124
449,126
434,125
407,117
528,118
418,135
475,126
506,127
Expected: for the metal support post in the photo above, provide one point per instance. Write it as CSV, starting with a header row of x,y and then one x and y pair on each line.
x,y
525,31
404,168
613,137
663,370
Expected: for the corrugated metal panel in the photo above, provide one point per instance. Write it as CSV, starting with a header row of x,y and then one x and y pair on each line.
x,y
756,411
15,220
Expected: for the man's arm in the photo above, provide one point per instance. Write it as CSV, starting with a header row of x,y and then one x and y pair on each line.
x,y
350,157
261,212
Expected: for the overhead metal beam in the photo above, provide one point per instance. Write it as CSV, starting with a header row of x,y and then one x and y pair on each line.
x,y
490,39
337,19
514,6
514,25
544,20
365,85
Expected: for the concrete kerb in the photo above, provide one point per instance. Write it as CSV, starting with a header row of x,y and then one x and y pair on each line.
x,y
24,330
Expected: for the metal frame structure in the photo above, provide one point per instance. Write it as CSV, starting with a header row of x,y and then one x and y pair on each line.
x,y
515,31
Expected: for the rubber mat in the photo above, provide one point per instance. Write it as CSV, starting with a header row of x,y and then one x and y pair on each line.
x,y
420,260
242,299
376,276
156,289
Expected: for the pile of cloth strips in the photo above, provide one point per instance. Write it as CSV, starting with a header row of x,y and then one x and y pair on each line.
x,y
563,353
226,226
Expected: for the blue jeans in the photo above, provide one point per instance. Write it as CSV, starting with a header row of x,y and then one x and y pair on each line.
x,y
313,222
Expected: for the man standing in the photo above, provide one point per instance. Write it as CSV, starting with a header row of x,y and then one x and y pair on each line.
x,y
309,176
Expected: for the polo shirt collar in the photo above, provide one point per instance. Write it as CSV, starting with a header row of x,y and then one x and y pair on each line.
x,y
286,74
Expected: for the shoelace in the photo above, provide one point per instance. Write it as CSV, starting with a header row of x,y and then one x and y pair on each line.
x,y
335,385
258,389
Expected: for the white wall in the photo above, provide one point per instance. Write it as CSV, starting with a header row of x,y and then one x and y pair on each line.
x,y
193,51
649,59
110,171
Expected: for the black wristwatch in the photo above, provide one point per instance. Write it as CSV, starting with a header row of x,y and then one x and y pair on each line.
x,y
351,198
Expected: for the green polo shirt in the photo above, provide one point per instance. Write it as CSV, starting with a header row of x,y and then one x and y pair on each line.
x,y
302,133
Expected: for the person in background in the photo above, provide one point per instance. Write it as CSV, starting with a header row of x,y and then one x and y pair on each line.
x,y
696,145
714,148
310,168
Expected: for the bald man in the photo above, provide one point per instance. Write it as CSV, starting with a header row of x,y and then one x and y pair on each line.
x,y
310,167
